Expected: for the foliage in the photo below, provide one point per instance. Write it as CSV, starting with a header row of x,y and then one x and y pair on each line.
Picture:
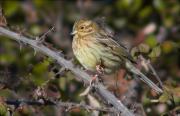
x,y
22,71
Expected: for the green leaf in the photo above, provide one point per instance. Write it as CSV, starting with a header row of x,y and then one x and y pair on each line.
x,y
145,12
10,7
62,83
3,110
143,48
35,29
7,58
159,4
134,51
146,100
135,5
164,97
168,46
41,67
151,41
156,51
40,72
123,4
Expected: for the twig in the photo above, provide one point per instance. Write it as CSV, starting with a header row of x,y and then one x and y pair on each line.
x,y
153,71
156,75
67,105
100,89
46,33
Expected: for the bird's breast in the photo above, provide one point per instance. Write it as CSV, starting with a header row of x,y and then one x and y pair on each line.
x,y
84,50
91,53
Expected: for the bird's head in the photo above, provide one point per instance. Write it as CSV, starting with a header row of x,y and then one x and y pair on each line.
x,y
84,27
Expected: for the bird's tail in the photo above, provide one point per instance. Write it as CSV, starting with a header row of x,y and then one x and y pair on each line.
x,y
144,78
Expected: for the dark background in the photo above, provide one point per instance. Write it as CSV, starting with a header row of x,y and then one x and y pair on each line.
x,y
155,23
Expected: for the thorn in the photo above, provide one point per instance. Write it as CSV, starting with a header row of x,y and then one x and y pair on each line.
x,y
72,60
60,53
68,109
20,45
86,91
41,101
37,38
42,38
61,71
84,83
35,51
87,109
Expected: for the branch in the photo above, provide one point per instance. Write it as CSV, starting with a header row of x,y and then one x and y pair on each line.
x,y
67,105
153,71
100,89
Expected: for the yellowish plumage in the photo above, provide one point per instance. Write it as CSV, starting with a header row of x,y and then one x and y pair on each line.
x,y
93,46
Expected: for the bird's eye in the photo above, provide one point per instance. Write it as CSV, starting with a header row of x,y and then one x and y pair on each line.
x,y
82,27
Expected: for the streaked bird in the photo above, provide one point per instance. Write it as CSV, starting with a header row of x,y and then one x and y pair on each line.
x,y
93,46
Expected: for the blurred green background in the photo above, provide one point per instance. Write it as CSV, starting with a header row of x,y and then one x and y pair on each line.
x,y
155,23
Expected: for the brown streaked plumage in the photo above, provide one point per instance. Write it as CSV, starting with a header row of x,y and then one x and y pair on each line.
x,y
93,46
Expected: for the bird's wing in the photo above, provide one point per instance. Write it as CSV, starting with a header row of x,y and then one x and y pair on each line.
x,y
117,49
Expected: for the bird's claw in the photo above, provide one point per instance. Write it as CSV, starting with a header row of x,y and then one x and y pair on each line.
x,y
94,78
99,69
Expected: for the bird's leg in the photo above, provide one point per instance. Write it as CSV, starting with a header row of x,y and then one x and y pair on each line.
x,y
87,90
94,78
100,71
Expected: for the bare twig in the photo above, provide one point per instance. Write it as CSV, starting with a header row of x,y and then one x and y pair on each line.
x,y
156,75
46,33
67,105
153,71
100,89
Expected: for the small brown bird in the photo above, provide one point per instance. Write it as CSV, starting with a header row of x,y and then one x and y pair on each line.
x,y
93,46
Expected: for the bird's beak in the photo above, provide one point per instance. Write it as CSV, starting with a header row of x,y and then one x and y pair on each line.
x,y
73,32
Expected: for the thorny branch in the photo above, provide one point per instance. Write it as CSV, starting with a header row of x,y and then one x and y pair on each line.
x,y
100,89
67,105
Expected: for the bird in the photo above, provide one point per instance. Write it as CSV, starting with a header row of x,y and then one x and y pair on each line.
x,y
96,49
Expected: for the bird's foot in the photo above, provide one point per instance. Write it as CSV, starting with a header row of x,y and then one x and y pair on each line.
x,y
93,80
99,69
86,91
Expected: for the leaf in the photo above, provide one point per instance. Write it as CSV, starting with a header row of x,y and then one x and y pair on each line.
x,y
134,51
3,110
135,5
41,67
168,46
11,7
159,4
143,48
151,41
36,30
146,100
40,72
164,97
145,12
62,83
156,51
123,4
